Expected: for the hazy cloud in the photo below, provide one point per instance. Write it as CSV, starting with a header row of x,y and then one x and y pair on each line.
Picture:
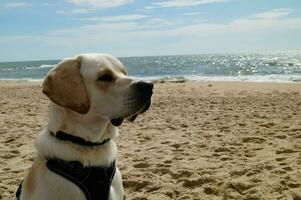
x,y
193,13
76,11
48,4
100,3
181,3
17,4
117,18
274,14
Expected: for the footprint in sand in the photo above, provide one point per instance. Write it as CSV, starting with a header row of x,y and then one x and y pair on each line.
x,y
224,158
231,194
168,161
279,171
162,171
249,154
15,152
8,156
9,140
280,159
182,174
290,182
6,169
135,185
282,163
194,183
242,124
241,186
210,190
222,149
141,165
253,172
152,188
295,130
239,172
281,136
289,169
178,145
293,184
253,140
268,125
285,150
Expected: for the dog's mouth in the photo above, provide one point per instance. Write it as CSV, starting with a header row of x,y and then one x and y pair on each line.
x,y
136,104
117,121
131,117
145,108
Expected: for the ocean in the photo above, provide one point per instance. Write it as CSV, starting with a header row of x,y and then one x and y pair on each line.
x,y
280,67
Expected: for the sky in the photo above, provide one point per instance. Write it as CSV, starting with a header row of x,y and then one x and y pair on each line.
x,y
53,29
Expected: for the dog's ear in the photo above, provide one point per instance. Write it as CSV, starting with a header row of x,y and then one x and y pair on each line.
x,y
64,85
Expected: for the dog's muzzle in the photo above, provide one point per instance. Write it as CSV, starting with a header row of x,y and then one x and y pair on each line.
x,y
144,92
139,103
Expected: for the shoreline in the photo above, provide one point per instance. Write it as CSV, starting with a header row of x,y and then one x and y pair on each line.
x,y
156,81
294,79
214,86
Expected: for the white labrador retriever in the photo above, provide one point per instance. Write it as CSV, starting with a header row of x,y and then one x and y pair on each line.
x,y
90,95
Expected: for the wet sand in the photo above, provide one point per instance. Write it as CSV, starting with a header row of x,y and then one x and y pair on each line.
x,y
199,140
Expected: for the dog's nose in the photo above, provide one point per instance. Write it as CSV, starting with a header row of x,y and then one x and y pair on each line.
x,y
145,89
144,86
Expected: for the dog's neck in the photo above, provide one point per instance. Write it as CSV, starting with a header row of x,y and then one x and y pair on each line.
x,y
92,129
81,126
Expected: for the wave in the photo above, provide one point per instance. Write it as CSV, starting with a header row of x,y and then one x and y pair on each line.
x,y
46,66
252,78
21,79
38,67
27,68
8,69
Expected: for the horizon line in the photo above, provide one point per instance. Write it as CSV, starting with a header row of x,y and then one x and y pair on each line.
x,y
161,55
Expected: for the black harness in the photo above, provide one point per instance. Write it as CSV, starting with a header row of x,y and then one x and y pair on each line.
x,y
95,182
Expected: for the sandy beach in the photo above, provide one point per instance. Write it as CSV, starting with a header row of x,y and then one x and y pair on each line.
x,y
199,140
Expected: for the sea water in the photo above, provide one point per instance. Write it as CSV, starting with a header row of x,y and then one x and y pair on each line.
x,y
277,67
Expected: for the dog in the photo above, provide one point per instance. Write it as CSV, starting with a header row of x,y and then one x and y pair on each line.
x,y
90,95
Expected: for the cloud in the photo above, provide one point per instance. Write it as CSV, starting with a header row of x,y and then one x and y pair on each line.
x,y
158,22
126,26
127,36
267,22
76,11
95,30
80,11
181,3
274,14
87,6
100,3
117,18
192,13
47,4
17,5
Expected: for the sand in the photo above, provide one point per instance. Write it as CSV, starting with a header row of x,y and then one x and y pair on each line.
x,y
198,141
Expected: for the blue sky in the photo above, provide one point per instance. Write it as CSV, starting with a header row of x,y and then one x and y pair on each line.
x,y
53,29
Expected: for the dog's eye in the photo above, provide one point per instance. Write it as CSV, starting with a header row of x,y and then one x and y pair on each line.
x,y
105,78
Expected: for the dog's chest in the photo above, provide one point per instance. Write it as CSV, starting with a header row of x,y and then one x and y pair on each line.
x,y
94,182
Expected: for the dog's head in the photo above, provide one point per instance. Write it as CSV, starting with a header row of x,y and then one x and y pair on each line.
x,y
98,85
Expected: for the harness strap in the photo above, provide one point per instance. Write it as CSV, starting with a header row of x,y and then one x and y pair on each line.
x,y
18,192
95,182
